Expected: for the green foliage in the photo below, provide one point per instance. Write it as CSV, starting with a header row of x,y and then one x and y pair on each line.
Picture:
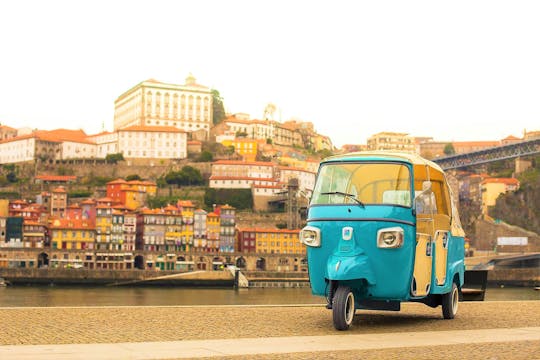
x,y
281,225
521,207
238,198
97,180
161,182
502,168
192,175
218,110
269,141
9,195
114,158
188,175
241,134
449,149
12,177
3,180
155,202
206,156
62,170
133,177
324,153
79,194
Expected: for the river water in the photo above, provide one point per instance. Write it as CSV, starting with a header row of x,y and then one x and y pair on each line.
x,y
13,296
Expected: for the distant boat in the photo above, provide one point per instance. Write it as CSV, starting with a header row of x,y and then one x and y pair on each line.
x,y
3,282
537,288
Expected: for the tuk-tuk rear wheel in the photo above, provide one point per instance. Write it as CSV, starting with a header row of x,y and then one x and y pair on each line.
x,y
343,308
450,302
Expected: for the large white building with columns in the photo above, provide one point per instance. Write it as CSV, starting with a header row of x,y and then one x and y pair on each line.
x,y
186,107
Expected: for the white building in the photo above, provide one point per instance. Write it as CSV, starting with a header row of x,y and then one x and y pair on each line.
x,y
392,141
263,176
153,142
18,149
254,129
152,103
244,169
306,179
106,143
80,149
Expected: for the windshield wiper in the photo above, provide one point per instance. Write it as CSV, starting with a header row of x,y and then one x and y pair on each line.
x,y
350,196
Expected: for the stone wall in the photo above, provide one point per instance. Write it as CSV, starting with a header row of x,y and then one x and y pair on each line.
x,y
487,233
262,220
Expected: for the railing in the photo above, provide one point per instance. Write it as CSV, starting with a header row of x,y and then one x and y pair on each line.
x,y
523,148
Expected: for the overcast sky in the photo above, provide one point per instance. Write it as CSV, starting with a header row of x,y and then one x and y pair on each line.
x,y
453,70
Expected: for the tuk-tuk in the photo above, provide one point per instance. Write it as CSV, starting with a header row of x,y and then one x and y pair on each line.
x,y
382,229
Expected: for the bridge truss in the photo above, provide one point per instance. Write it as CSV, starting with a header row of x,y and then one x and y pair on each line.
x,y
523,148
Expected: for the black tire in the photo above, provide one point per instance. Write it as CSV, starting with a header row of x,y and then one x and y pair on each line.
x,y
343,308
450,302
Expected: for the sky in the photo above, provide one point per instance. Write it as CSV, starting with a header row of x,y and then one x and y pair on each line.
x,y
452,70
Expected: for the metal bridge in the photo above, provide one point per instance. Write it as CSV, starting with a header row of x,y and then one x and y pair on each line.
x,y
523,148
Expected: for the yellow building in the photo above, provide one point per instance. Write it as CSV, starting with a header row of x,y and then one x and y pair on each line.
x,y
103,226
187,210
491,188
72,234
173,229
278,241
213,227
321,142
247,148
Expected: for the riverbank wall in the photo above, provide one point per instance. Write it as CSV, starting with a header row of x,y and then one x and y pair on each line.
x,y
257,279
116,277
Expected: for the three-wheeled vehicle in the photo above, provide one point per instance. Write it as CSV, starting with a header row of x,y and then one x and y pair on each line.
x,y
382,229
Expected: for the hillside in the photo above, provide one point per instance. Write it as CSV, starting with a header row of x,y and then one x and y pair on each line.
x,y
522,207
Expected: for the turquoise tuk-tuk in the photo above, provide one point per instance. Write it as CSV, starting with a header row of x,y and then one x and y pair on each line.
x,y
382,229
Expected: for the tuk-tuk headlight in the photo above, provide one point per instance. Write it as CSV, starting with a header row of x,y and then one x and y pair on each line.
x,y
311,236
390,238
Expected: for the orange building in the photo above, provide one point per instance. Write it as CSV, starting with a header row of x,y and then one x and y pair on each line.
x,y
131,194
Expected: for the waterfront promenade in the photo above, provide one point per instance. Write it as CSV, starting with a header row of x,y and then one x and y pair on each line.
x,y
481,330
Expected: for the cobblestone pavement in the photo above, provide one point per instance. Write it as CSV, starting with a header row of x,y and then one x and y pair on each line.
x,y
137,324
520,350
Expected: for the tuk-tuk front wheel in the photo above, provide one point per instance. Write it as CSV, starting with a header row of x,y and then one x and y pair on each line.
x,y
343,308
450,302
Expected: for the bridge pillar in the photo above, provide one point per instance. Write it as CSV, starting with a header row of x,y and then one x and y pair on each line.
x,y
521,165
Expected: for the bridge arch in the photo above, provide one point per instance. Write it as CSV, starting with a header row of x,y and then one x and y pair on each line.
x,y
43,260
139,262
241,263
261,263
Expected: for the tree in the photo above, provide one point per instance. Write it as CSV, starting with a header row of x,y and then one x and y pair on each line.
x,y
449,149
12,177
188,175
324,153
174,178
238,198
133,177
114,158
191,175
218,110
206,156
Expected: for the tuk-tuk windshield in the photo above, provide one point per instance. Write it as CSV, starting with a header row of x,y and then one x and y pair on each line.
x,y
363,183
